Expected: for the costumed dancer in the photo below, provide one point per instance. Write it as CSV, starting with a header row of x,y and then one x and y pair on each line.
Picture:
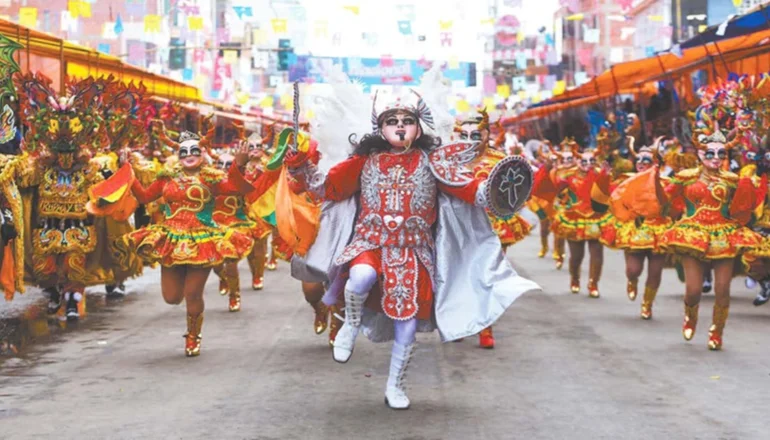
x,y
639,236
511,229
715,204
11,209
258,257
541,207
397,258
566,166
577,221
65,252
188,243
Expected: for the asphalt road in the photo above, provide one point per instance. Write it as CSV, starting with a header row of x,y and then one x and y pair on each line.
x,y
565,367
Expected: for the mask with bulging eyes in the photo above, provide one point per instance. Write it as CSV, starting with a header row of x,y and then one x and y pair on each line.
x,y
400,128
471,132
225,161
190,154
713,156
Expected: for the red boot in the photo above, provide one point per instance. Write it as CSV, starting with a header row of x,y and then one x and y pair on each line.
x,y
486,339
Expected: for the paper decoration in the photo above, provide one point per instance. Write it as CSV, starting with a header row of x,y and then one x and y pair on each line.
x,y
737,3
446,39
118,25
230,56
445,25
104,48
536,98
135,8
462,106
198,55
559,87
79,9
575,17
195,23
266,102
504,90
489,104
549,40
519,82
258,36
309,114
591,35
190,9
405,27
279,25
152,23
353,9
28,17
649,51
243,11
386,61
454,63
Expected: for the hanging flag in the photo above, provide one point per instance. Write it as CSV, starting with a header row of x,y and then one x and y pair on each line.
x,y
152,23
279,25
243,11
104,48
575,17
28,17
454,62
195,23
504,90
355,10
258,36
198,55
405,27
445,25
187,74
79,8
559,87
462,106
118,25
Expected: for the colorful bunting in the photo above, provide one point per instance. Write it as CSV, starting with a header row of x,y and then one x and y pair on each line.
x,y
445,25
152,23
79,8
504,90
230,56
243,11
28,17
195,23
355,10
446,39
104,48
279,25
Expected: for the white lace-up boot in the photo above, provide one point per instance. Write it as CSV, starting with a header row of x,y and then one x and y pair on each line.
x,y
395,392
346,337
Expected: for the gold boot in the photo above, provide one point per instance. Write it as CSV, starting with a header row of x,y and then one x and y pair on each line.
x,y
574,281
543,246
321,317
192,343
690,321
717,327
234,290
593,289
647,300
631,289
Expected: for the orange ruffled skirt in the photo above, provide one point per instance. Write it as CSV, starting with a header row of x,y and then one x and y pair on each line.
x,y
202,246
645,235
719,240
576,227
511,230
757,259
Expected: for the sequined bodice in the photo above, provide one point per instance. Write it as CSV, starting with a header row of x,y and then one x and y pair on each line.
x,y
707,200
186,197
398,200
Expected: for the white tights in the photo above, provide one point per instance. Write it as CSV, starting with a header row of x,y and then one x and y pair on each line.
x,y
361,280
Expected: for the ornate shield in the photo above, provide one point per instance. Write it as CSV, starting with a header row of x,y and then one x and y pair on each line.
x,y
509,186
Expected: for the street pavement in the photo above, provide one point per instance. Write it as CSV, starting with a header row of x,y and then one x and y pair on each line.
x,y
565,367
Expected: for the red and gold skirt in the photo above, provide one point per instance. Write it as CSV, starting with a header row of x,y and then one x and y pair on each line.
x,y
757,259
202,246
511,230
576,227
724,239
633,236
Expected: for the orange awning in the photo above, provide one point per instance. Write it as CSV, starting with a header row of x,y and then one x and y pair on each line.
x,y
82,62
634,76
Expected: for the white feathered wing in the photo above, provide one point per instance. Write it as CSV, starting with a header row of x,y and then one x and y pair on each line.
x,y
341,108
436,91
